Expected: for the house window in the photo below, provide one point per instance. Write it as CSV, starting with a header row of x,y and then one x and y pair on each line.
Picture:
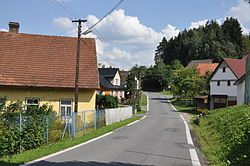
x,y
32,103
223,69
66,107
228,83
116,81
218,83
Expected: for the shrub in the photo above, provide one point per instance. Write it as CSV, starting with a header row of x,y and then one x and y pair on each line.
x,y
227,135
20,129
104,102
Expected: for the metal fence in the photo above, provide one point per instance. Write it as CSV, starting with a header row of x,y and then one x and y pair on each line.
x,y
28,132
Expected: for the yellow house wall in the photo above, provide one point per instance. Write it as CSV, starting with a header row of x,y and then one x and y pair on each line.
x,y
51,96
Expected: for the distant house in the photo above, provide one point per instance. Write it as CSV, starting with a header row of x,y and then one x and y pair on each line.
x,y
110,82
195,63
223,92
203,66
40,69
206,68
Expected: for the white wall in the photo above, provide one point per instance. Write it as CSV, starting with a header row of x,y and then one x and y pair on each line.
x,y
223,89
117,114
223,77
228,75
117,77
241,93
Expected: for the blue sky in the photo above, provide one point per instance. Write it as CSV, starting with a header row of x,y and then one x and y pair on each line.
x,y
128,36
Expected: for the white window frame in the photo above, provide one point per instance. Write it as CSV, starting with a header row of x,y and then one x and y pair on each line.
x,y
66,106
29,104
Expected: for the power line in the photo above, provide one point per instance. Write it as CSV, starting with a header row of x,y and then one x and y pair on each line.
x,y
65,9
118,4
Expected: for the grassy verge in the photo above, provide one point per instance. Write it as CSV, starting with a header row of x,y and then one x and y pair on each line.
x,y
143,104
224,136
166,93
184,105
52,148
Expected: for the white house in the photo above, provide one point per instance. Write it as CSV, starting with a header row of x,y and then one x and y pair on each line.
x,y
110,82
223,91
240,83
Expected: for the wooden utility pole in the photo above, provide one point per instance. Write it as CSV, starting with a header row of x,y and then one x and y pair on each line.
x,y
79,21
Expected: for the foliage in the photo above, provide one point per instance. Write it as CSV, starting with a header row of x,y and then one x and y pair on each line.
x,y
21,130
104,102
209,42
30,155
187,83
224,135
158,77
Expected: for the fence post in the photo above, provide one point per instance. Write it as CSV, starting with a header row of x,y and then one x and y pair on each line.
x,y
84,123
95,118
69,126
47,130
20,130
74,124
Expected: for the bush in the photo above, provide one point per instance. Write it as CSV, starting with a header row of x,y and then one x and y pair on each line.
x,y
104,102
22,130
226,133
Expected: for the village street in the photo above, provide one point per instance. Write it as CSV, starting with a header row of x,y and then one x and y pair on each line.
x,y
159,139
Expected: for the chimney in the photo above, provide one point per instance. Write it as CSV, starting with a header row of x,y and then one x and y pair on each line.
x,y
14,27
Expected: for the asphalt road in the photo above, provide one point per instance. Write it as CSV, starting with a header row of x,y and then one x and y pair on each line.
x,y
159,139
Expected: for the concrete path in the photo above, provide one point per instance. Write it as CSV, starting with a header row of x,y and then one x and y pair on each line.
x,y
159,139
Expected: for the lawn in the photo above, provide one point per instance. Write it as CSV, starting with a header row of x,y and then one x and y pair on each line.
x,y
166,93
184,105
30,155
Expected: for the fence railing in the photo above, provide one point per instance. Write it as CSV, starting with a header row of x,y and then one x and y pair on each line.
x,y
41,130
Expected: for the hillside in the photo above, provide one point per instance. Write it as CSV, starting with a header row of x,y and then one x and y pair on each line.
x,y
224,136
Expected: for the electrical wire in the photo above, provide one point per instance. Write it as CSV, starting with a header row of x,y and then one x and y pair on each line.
x,y
65,9
118,4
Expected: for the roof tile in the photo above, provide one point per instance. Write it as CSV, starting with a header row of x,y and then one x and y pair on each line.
x,y
46,61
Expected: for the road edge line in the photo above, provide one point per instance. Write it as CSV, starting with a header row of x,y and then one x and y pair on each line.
x,y
66,150
76,146
193,154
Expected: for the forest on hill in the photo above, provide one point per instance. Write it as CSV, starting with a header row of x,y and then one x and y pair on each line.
x,y
212,41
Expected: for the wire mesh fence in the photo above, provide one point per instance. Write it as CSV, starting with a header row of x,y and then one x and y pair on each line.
x,y
20,132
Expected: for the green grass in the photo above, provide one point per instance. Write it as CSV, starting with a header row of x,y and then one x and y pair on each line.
x,y
143,103
66,143
224,136
143,100
184,105
166,93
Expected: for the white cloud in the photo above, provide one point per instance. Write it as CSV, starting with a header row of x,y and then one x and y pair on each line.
x,y
242,12
3,29
121,39
63,22
170,31
197,24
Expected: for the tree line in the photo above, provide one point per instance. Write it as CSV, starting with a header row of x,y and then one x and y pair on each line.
x,y
212,41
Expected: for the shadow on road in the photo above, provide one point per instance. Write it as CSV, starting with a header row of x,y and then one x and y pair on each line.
x,y
79,163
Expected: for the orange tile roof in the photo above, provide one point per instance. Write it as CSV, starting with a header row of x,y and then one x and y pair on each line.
x,y
46,61
238,66
203,68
